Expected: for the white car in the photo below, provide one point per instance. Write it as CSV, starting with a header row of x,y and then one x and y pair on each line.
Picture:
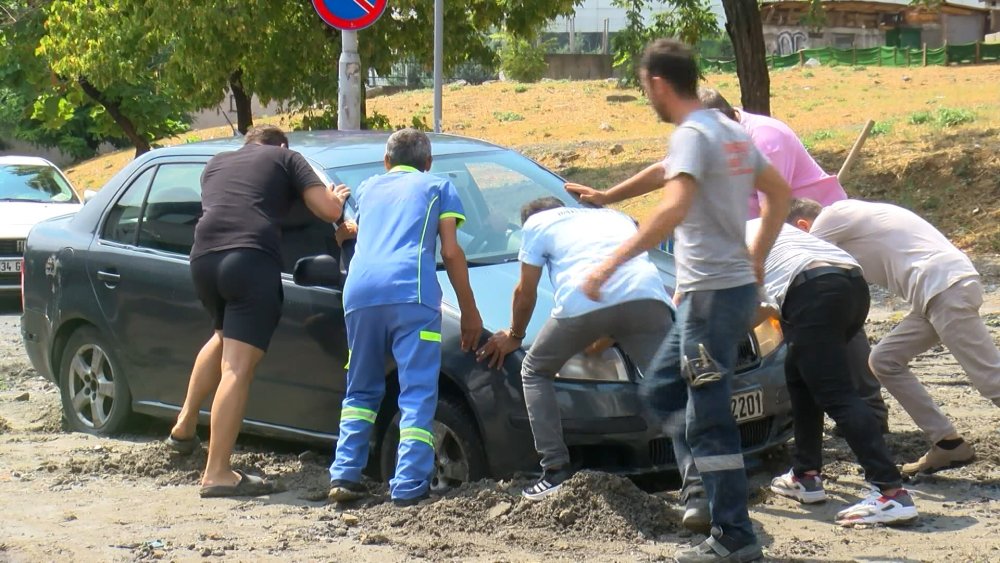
x,y
31,190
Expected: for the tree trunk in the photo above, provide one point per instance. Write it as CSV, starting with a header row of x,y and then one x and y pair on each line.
x,y
114,109
745,29
244,109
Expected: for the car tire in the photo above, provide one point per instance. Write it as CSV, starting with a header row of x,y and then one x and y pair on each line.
x,y
95,395
459,455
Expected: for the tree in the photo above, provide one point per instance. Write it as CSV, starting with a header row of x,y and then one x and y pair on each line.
x,y
745,28
94,49
688,20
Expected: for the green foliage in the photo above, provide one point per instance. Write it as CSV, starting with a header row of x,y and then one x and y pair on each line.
x,y
950,117
419,122
506,116
377,122
325,119
881,128
808,74
920,118
520,89
521,59
688,20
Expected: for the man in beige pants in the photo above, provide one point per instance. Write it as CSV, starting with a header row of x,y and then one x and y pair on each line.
x,y
905,254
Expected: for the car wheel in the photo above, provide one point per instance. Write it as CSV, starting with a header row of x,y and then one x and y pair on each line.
x,y
95,395
458,450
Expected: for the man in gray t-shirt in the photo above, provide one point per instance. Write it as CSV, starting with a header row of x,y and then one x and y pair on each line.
x,y
706,180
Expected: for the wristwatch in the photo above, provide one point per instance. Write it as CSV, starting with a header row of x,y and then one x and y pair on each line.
x,y
515,335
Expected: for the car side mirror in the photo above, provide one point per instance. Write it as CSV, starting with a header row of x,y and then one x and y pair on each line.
x,y
322,270
89,195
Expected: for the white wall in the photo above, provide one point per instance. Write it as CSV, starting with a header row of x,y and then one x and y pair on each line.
x,y
590,16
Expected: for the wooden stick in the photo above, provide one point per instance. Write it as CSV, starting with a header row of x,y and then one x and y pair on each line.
x,y
855,150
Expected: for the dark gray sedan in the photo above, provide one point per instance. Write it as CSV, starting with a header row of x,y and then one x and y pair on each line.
x,y
111,316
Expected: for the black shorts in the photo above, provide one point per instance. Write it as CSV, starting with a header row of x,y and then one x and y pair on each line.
x,y
241,288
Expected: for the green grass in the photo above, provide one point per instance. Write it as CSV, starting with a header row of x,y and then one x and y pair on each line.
x,y
520,89
881,128
920,118
808,74
505,116
951,117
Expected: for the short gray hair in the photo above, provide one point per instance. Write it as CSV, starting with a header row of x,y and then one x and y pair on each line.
x,y
803,209
409,147
712,99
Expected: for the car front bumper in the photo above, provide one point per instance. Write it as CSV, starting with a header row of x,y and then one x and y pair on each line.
x,y
607,428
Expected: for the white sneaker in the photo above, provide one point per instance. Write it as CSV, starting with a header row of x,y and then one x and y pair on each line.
x,y
807,490
879,509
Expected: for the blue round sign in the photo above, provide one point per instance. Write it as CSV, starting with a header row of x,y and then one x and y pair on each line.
x,y
349,15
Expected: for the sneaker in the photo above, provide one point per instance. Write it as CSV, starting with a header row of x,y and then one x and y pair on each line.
x,y
346,491
880,509
696,516
713,551
551,481
807,490
938,458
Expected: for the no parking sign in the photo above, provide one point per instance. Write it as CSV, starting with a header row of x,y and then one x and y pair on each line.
x,y
349,15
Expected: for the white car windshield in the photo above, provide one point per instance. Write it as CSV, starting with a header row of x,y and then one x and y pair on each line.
x,y
34,183
493,186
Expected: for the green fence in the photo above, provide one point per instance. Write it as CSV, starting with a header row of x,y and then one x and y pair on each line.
x,y
972,53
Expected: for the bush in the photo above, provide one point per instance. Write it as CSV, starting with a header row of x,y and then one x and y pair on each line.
x,y
377,122
522,61
881,128
506,116
520,89
324,120
920,118
474,73
948,117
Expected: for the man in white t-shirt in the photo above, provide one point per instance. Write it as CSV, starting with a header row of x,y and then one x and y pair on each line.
x,y
569,242
823,298
906,255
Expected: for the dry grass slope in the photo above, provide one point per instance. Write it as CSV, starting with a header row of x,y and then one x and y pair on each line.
x,y
935,147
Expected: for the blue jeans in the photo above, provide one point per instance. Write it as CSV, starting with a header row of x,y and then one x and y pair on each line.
x,y
699,418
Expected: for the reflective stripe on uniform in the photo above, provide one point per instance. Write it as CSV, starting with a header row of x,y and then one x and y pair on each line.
x,y
420,249
348,364
358,413
719,462
418,434
458,217
430,336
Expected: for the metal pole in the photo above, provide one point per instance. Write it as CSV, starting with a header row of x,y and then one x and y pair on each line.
x,y
349,87
438,61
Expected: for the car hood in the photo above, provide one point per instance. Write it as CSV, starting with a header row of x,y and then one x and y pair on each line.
x,y
17,218
493,286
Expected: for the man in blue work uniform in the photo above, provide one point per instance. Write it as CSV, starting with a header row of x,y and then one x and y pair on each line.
x,y
392,304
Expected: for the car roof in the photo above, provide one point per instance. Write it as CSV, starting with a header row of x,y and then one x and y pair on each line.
x,y
331,149
24,160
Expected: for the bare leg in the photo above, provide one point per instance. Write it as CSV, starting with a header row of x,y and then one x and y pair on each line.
x,y
204,381
239,360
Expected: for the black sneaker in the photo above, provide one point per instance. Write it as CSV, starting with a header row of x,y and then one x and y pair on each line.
x,y
714,550
551,481
405,502
342,490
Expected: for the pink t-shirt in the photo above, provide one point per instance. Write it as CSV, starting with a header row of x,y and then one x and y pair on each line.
x,y
789,157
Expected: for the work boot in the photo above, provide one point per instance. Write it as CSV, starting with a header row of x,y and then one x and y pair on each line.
x,y
342,490
696,516
938,458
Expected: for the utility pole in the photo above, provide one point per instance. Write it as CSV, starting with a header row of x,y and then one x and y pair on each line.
x,y
349,86
438,61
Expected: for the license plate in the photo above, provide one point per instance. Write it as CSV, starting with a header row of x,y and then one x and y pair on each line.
x,y
10,266
748,406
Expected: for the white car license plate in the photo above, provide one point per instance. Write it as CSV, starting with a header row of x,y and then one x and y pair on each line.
x,y
748,406
10,266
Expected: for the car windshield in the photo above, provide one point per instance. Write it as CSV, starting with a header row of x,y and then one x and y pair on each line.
x,y
493,185
35,183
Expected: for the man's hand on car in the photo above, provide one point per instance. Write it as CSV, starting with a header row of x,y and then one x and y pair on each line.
x,y
345,232
586,193
340,193
497,348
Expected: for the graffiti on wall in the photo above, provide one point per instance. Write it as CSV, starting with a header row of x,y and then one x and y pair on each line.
x,y
789,42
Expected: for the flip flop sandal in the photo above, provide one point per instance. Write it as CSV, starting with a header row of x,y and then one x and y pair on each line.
x,y
183,447
248,486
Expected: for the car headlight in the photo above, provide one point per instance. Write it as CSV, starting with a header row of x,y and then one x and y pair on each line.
x,y
768,335
609,365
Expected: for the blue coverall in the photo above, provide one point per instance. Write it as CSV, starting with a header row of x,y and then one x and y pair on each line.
x,y
392,304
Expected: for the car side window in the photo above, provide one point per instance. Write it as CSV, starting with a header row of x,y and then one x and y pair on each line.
x,y
503,189
172,208
122,223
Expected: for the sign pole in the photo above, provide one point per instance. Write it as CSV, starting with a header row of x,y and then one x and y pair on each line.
x,y
438,61
349,86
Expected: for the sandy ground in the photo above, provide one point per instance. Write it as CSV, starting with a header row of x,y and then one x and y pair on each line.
x,y
74,497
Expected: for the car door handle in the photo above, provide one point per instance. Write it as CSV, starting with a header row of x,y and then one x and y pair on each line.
x,y
109,277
